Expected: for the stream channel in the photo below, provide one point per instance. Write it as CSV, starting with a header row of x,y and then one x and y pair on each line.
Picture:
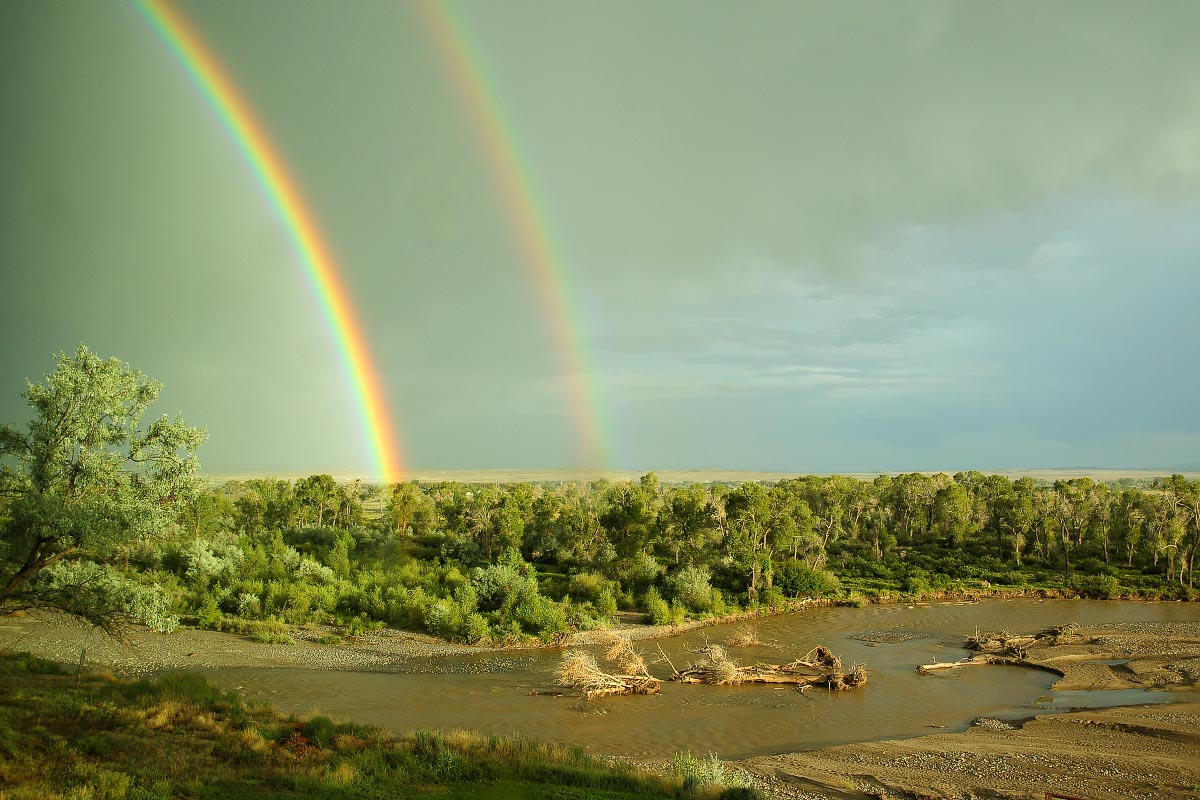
x,y
494,692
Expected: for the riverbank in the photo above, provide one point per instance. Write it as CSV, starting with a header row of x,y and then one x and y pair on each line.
x,y
1147,751
1110,753
144,652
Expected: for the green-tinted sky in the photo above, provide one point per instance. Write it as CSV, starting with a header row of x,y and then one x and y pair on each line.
x,y
800,236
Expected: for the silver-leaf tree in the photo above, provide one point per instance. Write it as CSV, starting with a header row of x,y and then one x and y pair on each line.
x,y
83,485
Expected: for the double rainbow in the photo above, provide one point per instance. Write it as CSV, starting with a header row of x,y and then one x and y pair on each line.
x,y
513,177
481,101
321,269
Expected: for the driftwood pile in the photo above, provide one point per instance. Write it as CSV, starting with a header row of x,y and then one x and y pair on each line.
x,y
580,670
818,667
1002,647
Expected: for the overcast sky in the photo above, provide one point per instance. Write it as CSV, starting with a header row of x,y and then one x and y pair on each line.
x,y
801,236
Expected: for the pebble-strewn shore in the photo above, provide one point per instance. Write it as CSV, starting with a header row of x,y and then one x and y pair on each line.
x,y
1103,754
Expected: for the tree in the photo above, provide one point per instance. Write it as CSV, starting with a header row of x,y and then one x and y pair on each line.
x,y
84,485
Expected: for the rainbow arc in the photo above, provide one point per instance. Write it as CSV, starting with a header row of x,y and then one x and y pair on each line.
x,y
321,268
517,192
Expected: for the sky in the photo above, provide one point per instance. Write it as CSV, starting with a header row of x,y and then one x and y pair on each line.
x,y
791,236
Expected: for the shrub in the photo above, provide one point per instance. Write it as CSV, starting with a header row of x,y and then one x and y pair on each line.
x,y
443,618
698,772
248,604
587,585
916,582
797,580
474,628
773,597
691,587
210,616
500,587
606,604
271,631
320,730
657,610
1103,587
643,570
361,625
540,616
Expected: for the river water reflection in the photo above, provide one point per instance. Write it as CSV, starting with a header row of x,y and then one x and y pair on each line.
x,y
492,692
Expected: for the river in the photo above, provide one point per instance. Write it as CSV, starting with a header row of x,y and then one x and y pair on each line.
x,y
496,692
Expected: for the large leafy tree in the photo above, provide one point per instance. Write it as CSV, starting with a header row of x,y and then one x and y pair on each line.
x,y
84,485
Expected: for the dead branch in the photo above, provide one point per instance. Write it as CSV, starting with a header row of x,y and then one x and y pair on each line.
x,y
744,636
580,670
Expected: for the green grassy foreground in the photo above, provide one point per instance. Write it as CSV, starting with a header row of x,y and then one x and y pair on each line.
x,y
95,737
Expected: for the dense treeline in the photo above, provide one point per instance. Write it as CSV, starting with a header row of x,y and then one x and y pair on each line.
x,y
501,562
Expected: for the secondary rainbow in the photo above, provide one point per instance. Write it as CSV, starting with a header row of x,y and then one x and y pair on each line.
x,y
271,172
512,173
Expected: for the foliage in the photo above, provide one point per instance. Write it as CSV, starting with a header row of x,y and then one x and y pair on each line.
x,y
797,579
98,738
698,773
504,563
87,484
691,587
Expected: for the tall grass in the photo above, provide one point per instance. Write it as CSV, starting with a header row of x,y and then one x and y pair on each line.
x,y
102,738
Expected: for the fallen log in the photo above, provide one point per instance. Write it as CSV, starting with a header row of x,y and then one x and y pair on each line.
x,y
986,658
818,667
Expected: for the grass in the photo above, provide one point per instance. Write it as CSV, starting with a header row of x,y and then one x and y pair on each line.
x,y
95,737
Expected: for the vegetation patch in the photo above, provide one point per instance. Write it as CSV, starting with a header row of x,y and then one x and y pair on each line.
x,y
94,737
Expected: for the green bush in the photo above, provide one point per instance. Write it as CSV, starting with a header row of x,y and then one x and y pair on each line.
x,y
361,625
587,586
606,604
474,628
443,618
798,580
916,582
320,730
691,587
643,570
271,631
773,598
1102,587
209,615
541,616
657,610
25,663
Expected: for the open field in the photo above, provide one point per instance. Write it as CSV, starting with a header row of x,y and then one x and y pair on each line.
x,y
684,476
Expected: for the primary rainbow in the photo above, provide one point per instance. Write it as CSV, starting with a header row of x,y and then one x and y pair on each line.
x,y
280,188
512,174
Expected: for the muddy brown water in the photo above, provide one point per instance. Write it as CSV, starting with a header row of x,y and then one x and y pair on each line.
x,y
495,692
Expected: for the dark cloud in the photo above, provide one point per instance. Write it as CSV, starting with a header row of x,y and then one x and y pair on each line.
x,y
814,236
